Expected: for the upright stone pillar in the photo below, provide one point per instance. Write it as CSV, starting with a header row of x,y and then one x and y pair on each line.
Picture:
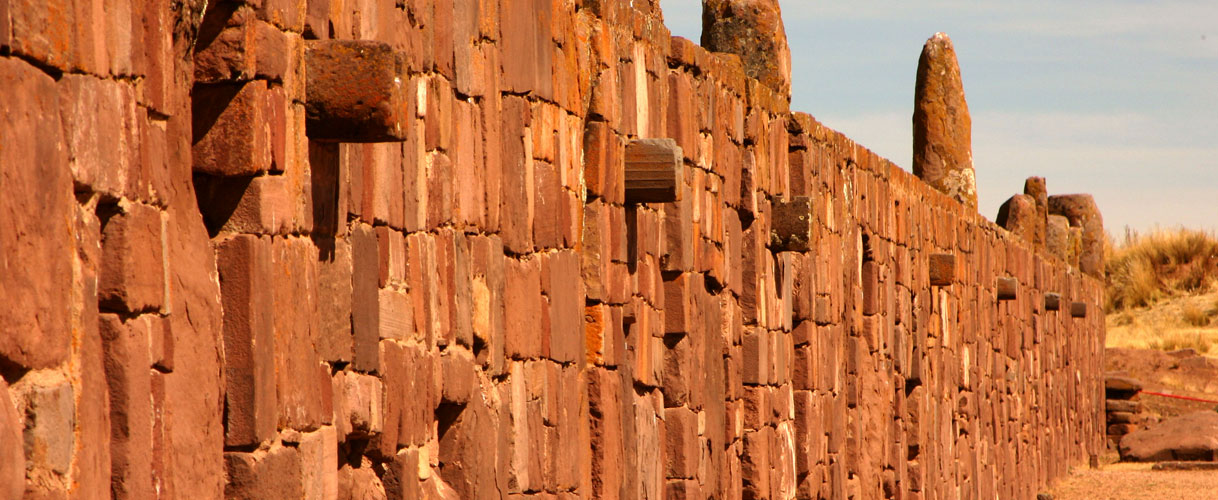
x,y
1035,187
942,128
1083,213
753,30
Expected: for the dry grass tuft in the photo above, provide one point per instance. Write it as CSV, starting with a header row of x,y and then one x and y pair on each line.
x,y
1182,340
1145,268
1194,316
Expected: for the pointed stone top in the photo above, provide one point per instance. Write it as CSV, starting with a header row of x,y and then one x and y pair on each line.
x,y
943,138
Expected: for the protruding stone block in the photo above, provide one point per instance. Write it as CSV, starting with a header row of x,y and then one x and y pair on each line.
x,y
355,92
1078,309
753,30
132,277
1082,212
943,137
942,269
654,172
232,129
1007,287
1018,215
791,227
1053,301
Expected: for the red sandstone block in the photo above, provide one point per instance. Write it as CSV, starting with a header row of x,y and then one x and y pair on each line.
x,y
99,123
271,474
549,206
755,466
365,310
355,91
275,52
604,396
129,384
517,195
565,293
527,64
132,273
522,306
232,137
245,269
391,250
680,235
756,353
227,49
460,380
469,202
603,156
488,299
679,307
300,376
334,282
681,443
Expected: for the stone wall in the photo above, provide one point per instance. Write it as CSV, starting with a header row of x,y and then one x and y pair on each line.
x,y
203,302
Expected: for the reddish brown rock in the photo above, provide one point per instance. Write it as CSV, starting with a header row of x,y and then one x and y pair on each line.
x,y
12,455
753,30
35,232
943,137
355,91
1057,236
1082,212
249,351
1193,436
232,133
1035,187
127,375
132,274
1019,215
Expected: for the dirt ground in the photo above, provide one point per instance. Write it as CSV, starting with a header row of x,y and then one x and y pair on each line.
x,y
1125,481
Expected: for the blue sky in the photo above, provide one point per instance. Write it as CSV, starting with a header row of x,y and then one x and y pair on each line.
x,y
1114,98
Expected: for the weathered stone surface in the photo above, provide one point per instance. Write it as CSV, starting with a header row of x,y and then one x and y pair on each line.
x,y
942,269
12,454
793,224
232,130
1007,288
132,274
1192,436
653,171
35,232
249,349
355,92
753,30
1035,187
1019,215
1082,212
1057,236
942,127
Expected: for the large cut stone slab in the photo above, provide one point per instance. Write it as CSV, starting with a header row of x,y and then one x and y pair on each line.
x,y
355,92
1193,436
943,130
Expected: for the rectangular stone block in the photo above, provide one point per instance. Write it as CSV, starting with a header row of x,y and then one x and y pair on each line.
x,y
232,135
129,382
564,290
132,274
654,171
523,309
1053,301
355,92
1078,309
1007,288
871,287
942,269
681,443
244,263
365,299
227,47
792,225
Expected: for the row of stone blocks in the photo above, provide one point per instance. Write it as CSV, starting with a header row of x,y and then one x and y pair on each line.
x,y
515,297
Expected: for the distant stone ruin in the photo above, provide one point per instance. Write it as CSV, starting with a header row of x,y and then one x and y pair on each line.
x,y
366,249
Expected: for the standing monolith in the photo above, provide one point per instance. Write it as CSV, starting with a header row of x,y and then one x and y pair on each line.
x,y
942,128
1084,214
753,30
1036,188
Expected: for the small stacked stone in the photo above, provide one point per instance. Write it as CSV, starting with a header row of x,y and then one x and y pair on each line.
x,y
1122,410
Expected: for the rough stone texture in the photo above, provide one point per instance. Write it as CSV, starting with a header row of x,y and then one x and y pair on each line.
x,y
1082,212
35,233
12,454
942,128
1019,215
1057,236
1036,188
753,30
355,92
476,311
1193,436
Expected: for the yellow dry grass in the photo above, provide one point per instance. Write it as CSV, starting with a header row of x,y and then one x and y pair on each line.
x,y
1162,290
